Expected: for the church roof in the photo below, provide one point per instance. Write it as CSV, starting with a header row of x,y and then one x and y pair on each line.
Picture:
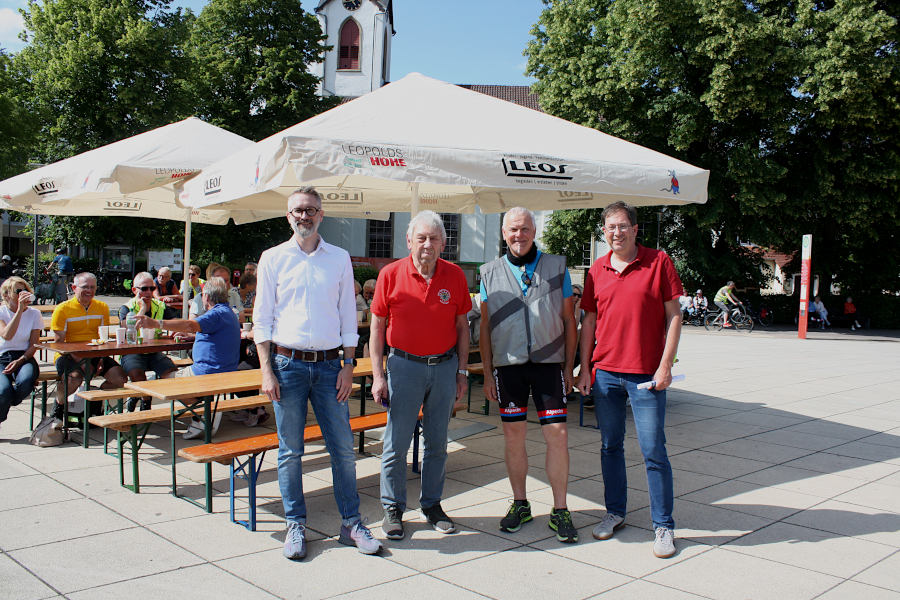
x,y
517,94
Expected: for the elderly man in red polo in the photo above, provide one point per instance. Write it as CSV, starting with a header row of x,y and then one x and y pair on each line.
x,y
420,294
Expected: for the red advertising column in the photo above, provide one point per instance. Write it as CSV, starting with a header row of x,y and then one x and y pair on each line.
x,y
804,285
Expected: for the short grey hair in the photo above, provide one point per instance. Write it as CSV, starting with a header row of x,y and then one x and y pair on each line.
x,y
517,211
216,290
164,270
82,276
309,191
139,276
428,218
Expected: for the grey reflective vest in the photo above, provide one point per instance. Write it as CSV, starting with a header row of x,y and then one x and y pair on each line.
x,y
530,327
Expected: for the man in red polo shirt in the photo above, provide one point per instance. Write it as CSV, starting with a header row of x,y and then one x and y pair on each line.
x,y
632,311
423,300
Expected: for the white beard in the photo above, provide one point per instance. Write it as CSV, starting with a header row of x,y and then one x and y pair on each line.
x,y
304,232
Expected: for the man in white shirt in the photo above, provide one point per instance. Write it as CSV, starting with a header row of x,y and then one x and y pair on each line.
x,y
305,312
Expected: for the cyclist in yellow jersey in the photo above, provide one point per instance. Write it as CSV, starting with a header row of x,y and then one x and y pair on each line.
x,y
724,295
78,320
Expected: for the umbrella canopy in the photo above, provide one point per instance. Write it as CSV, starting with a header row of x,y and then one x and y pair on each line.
x,y
424,141
134,177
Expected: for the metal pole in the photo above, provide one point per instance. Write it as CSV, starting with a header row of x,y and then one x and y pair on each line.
x,y
34,281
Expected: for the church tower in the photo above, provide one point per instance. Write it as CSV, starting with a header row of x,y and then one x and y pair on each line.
x,y
360,33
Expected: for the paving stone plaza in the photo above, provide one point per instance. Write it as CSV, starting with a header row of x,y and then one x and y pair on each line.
x,y
786,456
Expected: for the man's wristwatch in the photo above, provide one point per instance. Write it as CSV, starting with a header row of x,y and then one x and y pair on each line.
x,y
349,361
462,372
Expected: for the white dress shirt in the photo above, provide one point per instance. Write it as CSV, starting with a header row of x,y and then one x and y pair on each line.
x,y
305,301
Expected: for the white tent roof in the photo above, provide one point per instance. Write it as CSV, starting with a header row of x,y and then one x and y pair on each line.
x,y
134,177
456,148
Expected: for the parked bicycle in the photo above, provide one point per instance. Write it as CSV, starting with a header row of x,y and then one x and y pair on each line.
x,y
737,318
764,316
696,318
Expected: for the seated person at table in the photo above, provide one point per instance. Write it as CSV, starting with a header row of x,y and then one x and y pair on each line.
x,y
234,297
166,290
216,343
193,282
20,330
360,301
78,320
247,289
369,292
136,365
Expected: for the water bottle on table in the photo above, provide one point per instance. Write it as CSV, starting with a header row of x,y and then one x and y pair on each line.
x,y
130,328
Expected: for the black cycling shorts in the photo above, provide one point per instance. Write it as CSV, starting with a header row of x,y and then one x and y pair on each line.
x,y
542,381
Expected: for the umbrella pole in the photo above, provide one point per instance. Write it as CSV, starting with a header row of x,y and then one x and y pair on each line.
x,y
414,200
187,265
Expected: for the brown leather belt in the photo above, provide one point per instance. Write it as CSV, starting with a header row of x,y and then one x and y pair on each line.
x,y
308,355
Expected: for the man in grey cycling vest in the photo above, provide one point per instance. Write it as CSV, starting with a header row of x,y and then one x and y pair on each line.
x,y
528,337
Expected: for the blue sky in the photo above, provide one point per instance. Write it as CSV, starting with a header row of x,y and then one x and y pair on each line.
x,y
460,41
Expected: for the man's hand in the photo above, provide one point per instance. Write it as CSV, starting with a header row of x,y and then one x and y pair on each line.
x,y
145,321
380,389
662,378
584,381
270,385
145,306
462,382
344,383
567,380
490,387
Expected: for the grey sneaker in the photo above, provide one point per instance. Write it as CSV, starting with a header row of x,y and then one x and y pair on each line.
x,y
439,519
295,542
664,545
359,535
392,525
607,527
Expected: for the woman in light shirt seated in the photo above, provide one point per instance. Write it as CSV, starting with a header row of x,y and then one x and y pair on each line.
x,y
20,330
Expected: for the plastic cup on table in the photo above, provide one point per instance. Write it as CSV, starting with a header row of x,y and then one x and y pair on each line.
x,y
120,335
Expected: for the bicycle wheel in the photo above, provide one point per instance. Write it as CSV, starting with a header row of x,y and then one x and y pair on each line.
x,y
713,322
766,318
743,322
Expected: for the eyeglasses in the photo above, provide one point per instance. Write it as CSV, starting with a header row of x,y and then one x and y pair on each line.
x,y
615,228
146,288
309,211
577,295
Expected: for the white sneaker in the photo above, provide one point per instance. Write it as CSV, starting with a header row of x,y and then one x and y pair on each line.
x,y
607,527
196,429
664,544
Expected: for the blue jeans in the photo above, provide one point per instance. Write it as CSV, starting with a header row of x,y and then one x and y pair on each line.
x,y
15,387
303,382
649,409
413,386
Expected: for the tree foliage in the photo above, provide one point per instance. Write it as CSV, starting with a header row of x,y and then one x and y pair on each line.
x,y
98,71
17,127
792,106
249,65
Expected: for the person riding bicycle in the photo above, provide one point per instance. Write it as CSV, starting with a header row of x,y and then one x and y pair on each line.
x,y
699,303
723,296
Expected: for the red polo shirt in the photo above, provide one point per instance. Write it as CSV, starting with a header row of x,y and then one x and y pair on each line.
x,y
631,318
421,314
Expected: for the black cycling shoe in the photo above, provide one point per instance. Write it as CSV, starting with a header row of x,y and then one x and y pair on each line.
x,y
561,523
518,514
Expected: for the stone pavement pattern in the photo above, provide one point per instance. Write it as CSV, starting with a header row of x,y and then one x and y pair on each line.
x,y
787,478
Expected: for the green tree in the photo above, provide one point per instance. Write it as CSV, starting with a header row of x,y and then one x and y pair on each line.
x,y
250,61
102,70
17,127
791,106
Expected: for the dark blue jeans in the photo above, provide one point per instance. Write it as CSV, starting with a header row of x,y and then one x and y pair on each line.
x,y
15,387
649,409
